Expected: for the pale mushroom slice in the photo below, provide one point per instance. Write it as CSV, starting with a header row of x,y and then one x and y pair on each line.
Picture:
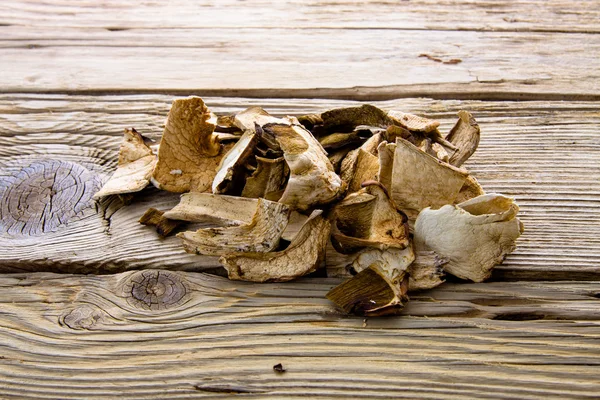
x,y
473,236
366,169
419,180
348,165
268,178
134,169
250,117
213,208
189,152
262,234
231,170
413,122
426,271
368,218
380,286
312,180
304,255
465,136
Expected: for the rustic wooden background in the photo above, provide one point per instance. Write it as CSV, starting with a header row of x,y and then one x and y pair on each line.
x,y
73,74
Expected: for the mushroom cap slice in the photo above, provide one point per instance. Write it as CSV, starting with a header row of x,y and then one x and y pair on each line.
x,y
348,165
413,122
366,169
419,180
189,152
348,118
233,162
312,179
304,255
369,218
465,136
262,234
252,116
426,271
134,169
473,236
268,178
212,208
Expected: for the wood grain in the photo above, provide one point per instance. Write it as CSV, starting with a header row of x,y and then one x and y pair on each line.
x,y
66,336
523,50
545,154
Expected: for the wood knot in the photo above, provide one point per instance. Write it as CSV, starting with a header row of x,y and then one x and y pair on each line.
x,y
44,196
83,317
154,290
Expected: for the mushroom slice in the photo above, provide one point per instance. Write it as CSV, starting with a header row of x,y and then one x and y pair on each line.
x,y
250,117
473,236
366,169
379,288
262,234
304,255
312,179
419,180
164,226
268,178
348,118
135,166
471,188
212,208
348,165
189,152
426,271
231,164
310,120
368,218
465,136
413,122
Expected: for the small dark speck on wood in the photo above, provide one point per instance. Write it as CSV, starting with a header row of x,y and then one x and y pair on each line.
x,y
279,368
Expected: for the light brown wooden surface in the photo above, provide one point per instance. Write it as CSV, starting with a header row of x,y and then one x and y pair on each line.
x,y
74,74
88,337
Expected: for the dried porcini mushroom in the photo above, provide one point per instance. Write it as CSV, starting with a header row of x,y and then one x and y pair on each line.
x,y
473,236
426,271
312,181
260,235
348,118
370,294
164,226
215,209
136,163
267,180
231,168
366,169
368,218
189,151
303,256
417,180
465,136
348,165
413,122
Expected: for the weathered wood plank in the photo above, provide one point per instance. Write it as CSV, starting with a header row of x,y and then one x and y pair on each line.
x,y
545,154
105,336
522,15
380,64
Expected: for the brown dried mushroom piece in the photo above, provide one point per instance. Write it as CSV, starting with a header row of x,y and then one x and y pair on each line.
x,y
189,152
262,234
231,169
413,122
267,180
465,136
473,236
370,293
214,209
164,226
426,271
368,218
304,255
366,169
348,118
250,117
134,169
348,166
417,180
312,180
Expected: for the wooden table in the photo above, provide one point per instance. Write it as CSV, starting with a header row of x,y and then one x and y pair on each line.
x,y
75,73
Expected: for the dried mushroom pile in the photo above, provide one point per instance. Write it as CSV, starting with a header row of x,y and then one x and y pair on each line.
x,y
386,188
